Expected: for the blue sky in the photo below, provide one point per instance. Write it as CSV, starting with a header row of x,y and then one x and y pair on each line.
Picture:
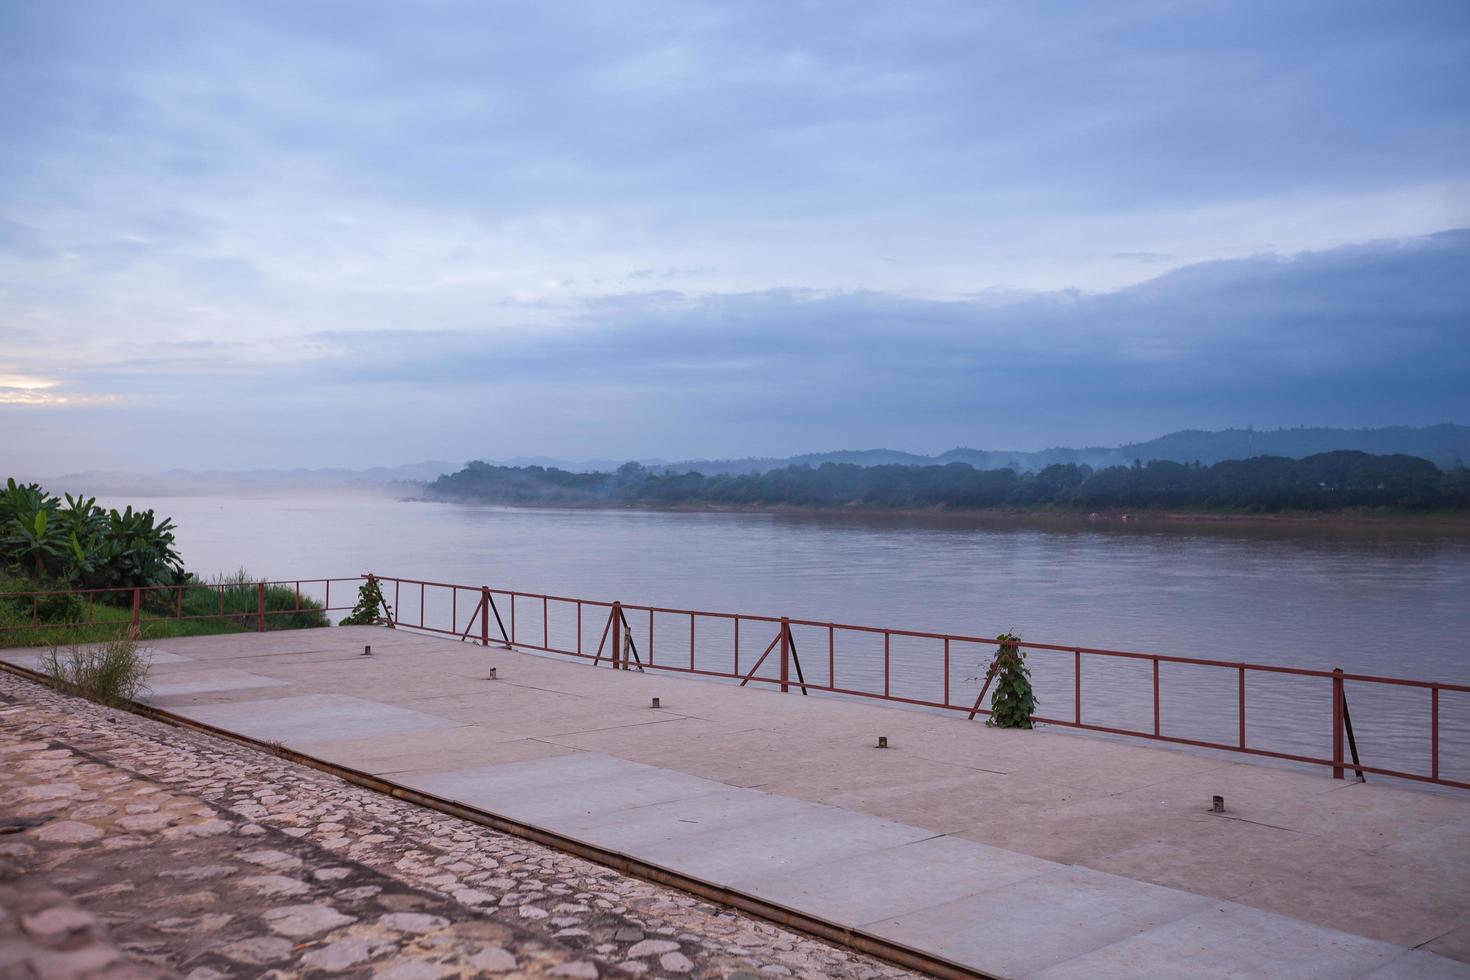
x,y
282,234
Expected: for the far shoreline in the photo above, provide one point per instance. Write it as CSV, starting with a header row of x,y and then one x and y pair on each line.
x,y
1344,519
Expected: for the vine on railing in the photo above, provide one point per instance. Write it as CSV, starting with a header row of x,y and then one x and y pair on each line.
x,y
371,609
1012,701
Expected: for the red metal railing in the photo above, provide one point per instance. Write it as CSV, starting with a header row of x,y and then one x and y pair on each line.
x,y
558,626
166,603
631,636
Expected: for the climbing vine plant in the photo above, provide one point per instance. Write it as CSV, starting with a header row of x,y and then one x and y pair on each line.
x,y
1011,698
371,609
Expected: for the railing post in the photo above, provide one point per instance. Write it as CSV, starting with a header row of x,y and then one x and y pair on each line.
x,y
946,671
785,654
484,615
1077,687
260,607
887,660
617,635
1434,733
1242,706
1337,723
1156,697
137,604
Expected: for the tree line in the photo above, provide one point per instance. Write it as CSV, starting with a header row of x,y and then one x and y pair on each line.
x,y
1331,481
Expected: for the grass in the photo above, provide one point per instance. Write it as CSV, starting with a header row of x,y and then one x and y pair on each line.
x,y
111,672
229,603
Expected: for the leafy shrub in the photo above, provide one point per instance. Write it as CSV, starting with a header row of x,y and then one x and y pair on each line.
x,y
112,672
1012,701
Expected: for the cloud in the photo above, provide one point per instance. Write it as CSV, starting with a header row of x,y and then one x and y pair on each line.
x,y
22,389
639,227
1374,307
1313,338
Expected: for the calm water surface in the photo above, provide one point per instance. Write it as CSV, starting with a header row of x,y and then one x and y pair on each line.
x,y
1368,599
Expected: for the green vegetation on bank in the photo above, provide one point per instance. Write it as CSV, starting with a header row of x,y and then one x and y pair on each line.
x,y
1327,482
70,546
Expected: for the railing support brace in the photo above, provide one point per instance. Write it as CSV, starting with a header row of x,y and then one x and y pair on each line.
x,y
796,662
387,613
630,646
260,607
504,636
762,658
137,605
981,696
1352,741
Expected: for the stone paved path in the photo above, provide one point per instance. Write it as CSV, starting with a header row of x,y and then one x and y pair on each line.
x,y
129,848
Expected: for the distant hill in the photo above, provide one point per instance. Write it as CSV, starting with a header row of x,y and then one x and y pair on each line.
x,y
1446,445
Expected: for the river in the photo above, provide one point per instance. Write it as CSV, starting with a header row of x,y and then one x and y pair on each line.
x,y
1367,598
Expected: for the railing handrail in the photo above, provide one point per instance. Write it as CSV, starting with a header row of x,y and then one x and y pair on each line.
x,y
618,612
136,593
162,587
620,630
952,637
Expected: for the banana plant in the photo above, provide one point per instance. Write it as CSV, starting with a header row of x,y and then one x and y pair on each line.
x,y
82,516
137,549
35,541
83,524
22,500
82,544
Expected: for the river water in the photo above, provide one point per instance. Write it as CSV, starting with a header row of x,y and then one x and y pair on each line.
x,y
1369,599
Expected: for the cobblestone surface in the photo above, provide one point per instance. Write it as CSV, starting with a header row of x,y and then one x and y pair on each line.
x,y
129,848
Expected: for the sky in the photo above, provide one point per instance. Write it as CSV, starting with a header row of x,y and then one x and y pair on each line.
x,y
281,234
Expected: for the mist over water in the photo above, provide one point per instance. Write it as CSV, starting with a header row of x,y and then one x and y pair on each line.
x,y
1368,599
